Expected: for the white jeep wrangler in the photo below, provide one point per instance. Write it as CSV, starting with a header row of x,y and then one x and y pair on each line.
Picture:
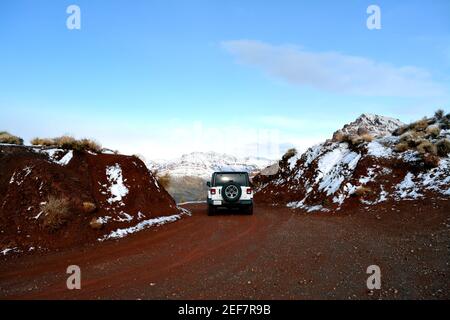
x,y
230,190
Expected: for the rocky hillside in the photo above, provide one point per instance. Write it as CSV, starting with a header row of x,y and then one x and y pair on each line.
x,y
372,124
51,198
360,169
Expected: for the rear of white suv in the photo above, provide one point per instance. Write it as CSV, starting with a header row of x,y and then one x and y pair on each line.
x,y
230,190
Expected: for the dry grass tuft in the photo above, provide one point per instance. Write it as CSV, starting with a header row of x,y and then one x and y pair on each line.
x,y
289,154
367,137
89,145
427,147
430,160
352,139
401,130
96,224
439,114
43,142
420,125
69,143
362,191
433,131
338,137
56,213
443,147
89,207
6,137
401,147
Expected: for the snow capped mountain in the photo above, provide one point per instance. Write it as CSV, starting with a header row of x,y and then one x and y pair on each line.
x,y
372,124
203,164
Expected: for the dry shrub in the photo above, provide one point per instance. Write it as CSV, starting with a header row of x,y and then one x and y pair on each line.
x,y
89,207
355,140
430,160
89,145
56,212
6,137
412,138
338,136
47,142
400,130
69,143
362,191
65,142
433,131
96,224
289,154
401,147
367,137
420,125
439,114
164,181
443,147
445,123
427,147
352,139
407,137
362,131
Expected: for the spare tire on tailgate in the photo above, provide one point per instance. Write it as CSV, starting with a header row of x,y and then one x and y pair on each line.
x,y
231,192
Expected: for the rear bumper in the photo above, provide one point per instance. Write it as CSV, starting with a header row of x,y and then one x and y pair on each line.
x,y
240,203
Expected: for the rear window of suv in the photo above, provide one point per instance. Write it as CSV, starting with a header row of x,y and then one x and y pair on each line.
x,y
221,178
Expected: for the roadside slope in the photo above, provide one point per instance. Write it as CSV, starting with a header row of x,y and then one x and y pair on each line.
x,y
54,198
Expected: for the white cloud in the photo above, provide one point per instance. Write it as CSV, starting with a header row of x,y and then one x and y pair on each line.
x,y
335,72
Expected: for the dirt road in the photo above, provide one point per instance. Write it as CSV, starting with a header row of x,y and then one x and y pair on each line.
x,y
274,254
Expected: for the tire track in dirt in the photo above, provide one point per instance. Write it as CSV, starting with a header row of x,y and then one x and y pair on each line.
x,y
200,222
276,253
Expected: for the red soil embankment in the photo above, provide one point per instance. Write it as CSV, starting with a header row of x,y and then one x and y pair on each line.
x,y
120,188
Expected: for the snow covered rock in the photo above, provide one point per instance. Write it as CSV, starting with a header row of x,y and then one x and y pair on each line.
x,y
372,124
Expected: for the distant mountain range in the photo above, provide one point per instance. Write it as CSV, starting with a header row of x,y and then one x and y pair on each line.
x,y
203,164
186,176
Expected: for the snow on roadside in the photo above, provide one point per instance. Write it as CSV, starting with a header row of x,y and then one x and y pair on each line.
x,y
117,188
9,250
191,202
301,205
159,221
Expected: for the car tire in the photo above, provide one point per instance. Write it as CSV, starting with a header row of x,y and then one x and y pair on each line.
x,y
211,210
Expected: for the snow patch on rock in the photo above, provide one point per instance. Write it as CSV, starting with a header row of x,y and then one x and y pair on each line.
x,y
117,188
408,189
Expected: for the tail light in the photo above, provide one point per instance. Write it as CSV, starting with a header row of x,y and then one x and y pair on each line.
x,y
249,191
213,191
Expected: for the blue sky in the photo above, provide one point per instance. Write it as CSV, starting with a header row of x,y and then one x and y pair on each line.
x,y
161,78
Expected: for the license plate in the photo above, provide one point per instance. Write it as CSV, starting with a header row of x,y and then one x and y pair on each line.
x,y
217,202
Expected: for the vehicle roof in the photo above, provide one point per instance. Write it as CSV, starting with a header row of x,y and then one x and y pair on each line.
x,y
227,172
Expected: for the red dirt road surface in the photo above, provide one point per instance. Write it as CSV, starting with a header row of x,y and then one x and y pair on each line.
x,y
274,254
